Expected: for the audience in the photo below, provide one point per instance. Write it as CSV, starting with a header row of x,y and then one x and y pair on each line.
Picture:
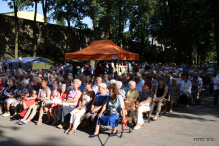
x,y
70,96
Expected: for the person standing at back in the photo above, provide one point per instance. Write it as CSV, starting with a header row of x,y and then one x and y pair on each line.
x,y
216,89
98,70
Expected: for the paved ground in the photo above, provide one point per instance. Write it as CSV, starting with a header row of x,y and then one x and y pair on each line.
x,y
194,126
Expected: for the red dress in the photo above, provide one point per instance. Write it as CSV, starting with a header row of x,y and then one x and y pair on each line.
x,y
29,102
62,98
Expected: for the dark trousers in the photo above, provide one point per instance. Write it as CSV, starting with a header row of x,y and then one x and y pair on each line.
x,y
184,100
92,119
216,93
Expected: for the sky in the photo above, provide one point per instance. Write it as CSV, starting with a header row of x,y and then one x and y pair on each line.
x,y
4,8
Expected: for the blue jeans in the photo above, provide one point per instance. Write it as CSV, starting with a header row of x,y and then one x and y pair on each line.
x,y
216,94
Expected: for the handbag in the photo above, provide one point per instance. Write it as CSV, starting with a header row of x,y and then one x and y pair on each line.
x,y
107,112
47,102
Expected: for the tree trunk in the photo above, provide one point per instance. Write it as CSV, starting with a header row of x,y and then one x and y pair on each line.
x,y
93,17
44,7
216,28
69,25
34,31
16,26
175,31
120,24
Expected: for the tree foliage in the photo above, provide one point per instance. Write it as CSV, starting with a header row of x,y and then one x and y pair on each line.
x,y
186,30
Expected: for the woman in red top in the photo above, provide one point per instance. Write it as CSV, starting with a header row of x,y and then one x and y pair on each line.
x,y
27,102
55,105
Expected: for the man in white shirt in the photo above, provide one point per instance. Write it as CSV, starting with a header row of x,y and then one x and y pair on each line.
x,y
185,91
216,89
95,87
138,84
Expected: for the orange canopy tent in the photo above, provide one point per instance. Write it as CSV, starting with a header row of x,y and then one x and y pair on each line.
x,y
102,50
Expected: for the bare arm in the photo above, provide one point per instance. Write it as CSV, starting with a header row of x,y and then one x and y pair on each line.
x,y
146,101
80,101
101,112
77,96
123,115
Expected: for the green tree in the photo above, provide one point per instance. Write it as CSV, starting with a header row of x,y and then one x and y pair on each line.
x,y
17,5
61,22
71,11
47,5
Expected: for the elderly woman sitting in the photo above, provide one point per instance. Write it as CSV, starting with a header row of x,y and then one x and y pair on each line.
x,y
99,100
132,96
174,91
112,82
133,93
20,92
115,104
72,102
8,97
84,103
119,87
144,103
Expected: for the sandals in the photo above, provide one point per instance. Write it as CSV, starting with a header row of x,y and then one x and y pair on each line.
x,y
71,132
60,126
154,119
66,131
49,121
39,122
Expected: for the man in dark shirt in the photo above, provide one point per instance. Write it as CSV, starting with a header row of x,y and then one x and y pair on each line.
x,y
205,68
206,82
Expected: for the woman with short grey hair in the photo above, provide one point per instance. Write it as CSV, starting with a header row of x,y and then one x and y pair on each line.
x,y
22,90
7,96
119,87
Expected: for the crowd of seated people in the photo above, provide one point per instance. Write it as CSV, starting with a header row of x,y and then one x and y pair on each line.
x,y
69,98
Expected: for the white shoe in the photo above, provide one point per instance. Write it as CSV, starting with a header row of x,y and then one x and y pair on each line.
x,y
137,127
5,115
